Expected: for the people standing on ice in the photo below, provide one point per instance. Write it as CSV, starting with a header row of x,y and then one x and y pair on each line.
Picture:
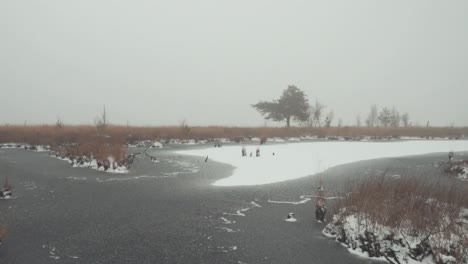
x,y
257,152
244,152
218,144
320,206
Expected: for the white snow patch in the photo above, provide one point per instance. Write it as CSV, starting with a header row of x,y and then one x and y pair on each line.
x,y
157,145
255,204
226,221
304,199
296,160
240,212
229,230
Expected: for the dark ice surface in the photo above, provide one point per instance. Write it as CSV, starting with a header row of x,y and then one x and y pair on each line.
x,y
168,212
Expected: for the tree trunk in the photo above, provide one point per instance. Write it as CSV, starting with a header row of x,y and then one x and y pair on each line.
x,y
288,121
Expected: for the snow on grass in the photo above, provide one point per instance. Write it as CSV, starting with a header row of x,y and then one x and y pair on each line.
x,y
464,174
281,162
35,148
351,231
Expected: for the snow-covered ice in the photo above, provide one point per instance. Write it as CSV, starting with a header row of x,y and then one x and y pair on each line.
x,y
281,162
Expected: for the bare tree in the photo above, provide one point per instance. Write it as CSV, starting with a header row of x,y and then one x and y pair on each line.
x,y
358,120
395,118
316,114
372,118
101,122
405,119
329,119
385,117
59,123
184,127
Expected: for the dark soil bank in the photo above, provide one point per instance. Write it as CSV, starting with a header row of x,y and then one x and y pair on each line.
x,y
167,212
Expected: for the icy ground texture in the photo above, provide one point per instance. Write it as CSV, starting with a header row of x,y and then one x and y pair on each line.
x,y
295,160
372,240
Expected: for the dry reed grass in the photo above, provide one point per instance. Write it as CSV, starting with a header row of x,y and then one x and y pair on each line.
x,y
110,141
53,135
422,207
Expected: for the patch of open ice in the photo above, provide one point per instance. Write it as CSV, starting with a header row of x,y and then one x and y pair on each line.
x,y
296,160
130,178
157,145
73,178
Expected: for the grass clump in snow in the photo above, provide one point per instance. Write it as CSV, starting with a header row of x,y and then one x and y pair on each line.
x,y
405,220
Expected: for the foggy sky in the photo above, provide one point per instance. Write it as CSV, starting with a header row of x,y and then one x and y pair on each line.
x,y
158,62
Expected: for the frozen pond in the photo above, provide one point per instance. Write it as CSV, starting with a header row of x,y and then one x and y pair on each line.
x,y
280,162
169,212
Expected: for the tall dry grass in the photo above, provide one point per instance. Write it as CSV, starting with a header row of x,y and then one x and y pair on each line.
x,y
416,207
110,141
53,135
394,202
